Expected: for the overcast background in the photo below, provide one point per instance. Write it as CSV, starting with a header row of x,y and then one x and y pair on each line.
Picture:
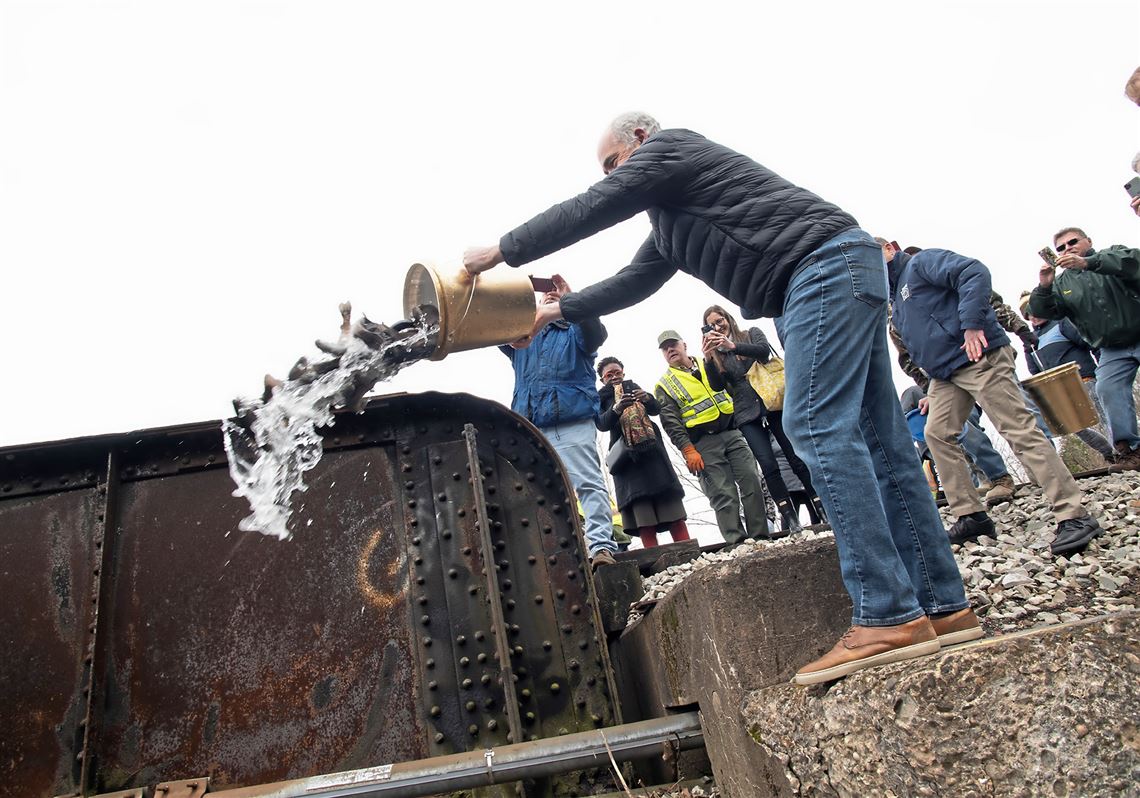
x,y
187,190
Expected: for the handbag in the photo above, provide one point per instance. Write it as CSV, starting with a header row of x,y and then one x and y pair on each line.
x,y
767,379
619,455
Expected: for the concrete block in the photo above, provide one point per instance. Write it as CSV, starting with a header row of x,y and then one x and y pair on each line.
x,y
731,628
1051,711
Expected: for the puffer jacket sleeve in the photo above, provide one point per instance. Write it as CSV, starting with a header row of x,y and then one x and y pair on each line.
x,y
636,282
649,176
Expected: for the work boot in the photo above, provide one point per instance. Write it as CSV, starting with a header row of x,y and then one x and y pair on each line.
x,y
866,646
789,518
1074,535
1001,491
956,627
603,557
1127,458
971,527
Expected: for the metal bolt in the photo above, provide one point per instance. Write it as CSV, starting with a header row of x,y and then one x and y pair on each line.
x,y
466,684
433,685
429,664
492,725
470,707
439,738
461,640
464,662
538,599
435,711
555,687
427,642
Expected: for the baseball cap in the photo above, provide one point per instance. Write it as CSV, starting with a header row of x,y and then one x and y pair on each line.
x,y
668,335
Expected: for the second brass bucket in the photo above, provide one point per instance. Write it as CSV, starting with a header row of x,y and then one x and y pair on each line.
x,y
491,308
1061,396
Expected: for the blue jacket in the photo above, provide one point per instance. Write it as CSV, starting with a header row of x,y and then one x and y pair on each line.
x,y
936,295
554,376
1061,343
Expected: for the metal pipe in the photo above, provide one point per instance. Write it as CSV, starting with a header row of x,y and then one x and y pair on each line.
x,y
546,757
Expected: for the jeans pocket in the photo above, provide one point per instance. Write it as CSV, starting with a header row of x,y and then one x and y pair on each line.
x,y
864,261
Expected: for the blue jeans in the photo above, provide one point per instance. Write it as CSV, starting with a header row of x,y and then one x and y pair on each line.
x,y
843,418
576,444
980,449
1114,377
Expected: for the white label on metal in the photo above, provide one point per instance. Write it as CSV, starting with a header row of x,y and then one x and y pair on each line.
x,y
379,773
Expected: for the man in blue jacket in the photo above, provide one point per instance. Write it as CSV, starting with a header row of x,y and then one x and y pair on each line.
x,y
554,388
777,249
941,308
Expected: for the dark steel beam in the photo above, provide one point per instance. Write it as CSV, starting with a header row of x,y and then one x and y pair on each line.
x,y
546,757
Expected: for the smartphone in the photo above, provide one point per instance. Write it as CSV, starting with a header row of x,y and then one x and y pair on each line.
x,y
1133,187
1049,256
542,284
627,386
708,328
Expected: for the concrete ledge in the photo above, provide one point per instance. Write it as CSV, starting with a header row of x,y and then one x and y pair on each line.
x,y
1053,712
733,627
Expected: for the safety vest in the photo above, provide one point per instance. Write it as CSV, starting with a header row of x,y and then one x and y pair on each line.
x,y
698,403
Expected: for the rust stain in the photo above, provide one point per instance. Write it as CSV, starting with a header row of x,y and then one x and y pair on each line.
x,y
377,598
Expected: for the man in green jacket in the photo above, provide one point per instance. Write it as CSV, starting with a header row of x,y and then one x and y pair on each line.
x,y
1100,293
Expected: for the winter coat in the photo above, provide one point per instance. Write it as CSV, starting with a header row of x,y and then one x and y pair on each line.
x,y
747,404
649,472
936,295
554,376
1102,301
716,214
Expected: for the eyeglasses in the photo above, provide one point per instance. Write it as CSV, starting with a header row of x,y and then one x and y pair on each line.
x,y
1071,242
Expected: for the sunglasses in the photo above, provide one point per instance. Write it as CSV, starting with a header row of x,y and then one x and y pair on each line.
x,y
1071,242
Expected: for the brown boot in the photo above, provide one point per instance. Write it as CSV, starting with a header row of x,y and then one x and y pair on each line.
x,y
866,646
1002,491
1127,459
956,627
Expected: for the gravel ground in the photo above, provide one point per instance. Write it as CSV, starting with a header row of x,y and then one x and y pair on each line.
x,y
1013,581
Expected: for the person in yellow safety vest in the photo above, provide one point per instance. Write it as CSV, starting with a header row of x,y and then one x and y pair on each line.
x,y
698,420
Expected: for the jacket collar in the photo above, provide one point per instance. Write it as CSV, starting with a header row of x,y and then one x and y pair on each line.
x,y
895,269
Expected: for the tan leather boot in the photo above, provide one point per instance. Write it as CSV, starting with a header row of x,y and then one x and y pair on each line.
x,y
957,627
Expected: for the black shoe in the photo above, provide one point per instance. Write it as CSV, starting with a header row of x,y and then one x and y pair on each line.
x,y
818,506
789,519
1075,534
971,527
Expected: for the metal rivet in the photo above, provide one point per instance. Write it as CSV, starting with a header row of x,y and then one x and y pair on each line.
x,y
433,685
466,684
583,644
506,584
567,628
454,574
470,707
492,725
427,642
461,640
479,635
425,620
571,574
435,711
481,657
538,599
560,593
422,600
547,645
439,738
575,609
430,663
485,679
573,664
555,687
464,661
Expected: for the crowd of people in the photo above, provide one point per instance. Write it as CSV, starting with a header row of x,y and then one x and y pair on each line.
x,y
774,249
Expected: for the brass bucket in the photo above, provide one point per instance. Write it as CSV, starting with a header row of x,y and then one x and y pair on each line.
x,y
1061,396
491,308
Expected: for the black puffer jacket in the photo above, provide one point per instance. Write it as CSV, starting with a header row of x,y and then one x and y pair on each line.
x,y
746,403
716,214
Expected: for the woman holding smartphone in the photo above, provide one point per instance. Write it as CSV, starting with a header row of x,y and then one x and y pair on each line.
x,y
729,354
649,495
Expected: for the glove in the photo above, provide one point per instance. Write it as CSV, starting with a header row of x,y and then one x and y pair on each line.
x,y
693,459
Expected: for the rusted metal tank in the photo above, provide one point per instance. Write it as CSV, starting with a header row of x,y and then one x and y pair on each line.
x,y
146,639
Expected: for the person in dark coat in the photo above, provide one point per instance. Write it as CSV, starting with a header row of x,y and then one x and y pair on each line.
x,y
778,250
729,355
649,495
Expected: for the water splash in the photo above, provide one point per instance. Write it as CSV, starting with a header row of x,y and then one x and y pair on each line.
x,y
274,441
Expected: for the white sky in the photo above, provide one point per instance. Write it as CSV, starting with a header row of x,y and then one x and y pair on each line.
x,y
187,190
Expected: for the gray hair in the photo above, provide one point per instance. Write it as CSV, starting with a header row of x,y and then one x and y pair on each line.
x,y
624,125
1136,163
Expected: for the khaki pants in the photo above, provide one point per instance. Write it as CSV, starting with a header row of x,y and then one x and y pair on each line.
x,y
992,384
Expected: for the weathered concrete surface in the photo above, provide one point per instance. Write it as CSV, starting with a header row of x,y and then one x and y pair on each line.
x,y
1052,712
617,586
731,628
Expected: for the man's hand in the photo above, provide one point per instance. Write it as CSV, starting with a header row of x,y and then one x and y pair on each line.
x,y
923,405
561,287
480,259
1071,260
693,459
975,345
1046,275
